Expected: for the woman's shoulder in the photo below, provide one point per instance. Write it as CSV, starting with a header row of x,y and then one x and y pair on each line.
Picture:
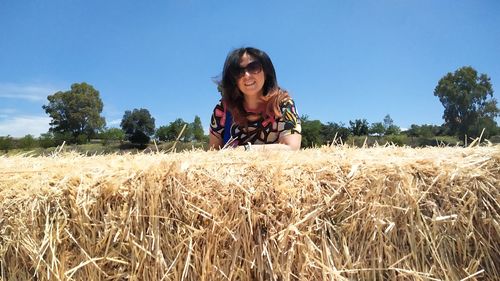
x,y
288,109
287,102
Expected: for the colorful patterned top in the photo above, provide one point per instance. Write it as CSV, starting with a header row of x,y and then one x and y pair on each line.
x,y
261,131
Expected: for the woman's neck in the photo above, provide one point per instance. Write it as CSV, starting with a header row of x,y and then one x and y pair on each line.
x,y
253,103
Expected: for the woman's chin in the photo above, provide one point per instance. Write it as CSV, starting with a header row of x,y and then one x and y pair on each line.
x,y
252,93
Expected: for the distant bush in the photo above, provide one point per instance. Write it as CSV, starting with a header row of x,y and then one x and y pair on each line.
x,y
6,143
60,138
433,141
46,140
27,142
82,139
398,140
112,134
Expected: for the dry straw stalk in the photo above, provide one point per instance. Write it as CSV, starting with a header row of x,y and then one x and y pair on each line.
x,y
333,213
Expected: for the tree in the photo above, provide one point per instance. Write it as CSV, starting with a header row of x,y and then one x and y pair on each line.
x,y
162,133
187,135
330,130
359,127
76,112
420,131
138,125
46,140
174,129
61,137
112,134
6,143
392,130
27,142
468,102
377,129
426,131
139,137
388,121
197,129
311,132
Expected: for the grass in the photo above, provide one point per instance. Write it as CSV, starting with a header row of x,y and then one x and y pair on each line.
x,y
110,148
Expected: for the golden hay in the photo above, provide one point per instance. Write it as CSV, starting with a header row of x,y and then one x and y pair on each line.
x,y
337,213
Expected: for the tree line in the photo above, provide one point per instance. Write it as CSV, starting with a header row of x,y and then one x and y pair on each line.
x,y
467,97
359,132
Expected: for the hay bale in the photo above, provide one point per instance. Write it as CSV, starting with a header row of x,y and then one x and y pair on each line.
x,y
336,213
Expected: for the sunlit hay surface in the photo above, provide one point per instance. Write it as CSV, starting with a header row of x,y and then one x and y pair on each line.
x,y
336,213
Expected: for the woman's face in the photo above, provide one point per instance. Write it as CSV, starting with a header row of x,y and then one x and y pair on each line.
x,y
251,79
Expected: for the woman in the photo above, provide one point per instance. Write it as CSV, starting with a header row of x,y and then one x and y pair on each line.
x,y
254,112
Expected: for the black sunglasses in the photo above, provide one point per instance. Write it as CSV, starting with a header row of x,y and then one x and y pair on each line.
x,y
252,68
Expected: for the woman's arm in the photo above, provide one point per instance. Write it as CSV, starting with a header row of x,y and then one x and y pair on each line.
x,y
289,142
292,140
214,141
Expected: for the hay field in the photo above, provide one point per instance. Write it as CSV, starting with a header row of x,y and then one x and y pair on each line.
x,y
332,213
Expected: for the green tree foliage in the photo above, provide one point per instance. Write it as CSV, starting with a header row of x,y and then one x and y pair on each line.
x,y
27,142
187,135
393,130
311,132
6,143
426,131
330,130
46,140
76,112
197,129
176,129
138,125
468,102
162,133
390,128
173,130
359,127
388,121
112,134
139,137
377,129
60,138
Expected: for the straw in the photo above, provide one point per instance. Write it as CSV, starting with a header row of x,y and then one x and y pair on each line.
x,y
329,213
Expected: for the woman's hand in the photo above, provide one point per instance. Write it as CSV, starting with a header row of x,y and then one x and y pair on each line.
x,y
289,142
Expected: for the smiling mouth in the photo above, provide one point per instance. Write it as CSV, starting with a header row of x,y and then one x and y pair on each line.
x,y
250,84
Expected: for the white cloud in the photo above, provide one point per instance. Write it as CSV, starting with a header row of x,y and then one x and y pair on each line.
x,y
19,126
34,93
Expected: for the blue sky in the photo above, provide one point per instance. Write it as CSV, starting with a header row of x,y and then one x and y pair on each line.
x,y
340,60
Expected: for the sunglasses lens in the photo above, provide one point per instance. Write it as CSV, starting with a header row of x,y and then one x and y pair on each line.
x,y
254,67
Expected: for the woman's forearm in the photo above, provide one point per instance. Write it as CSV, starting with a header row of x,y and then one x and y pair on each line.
x,y
262,147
